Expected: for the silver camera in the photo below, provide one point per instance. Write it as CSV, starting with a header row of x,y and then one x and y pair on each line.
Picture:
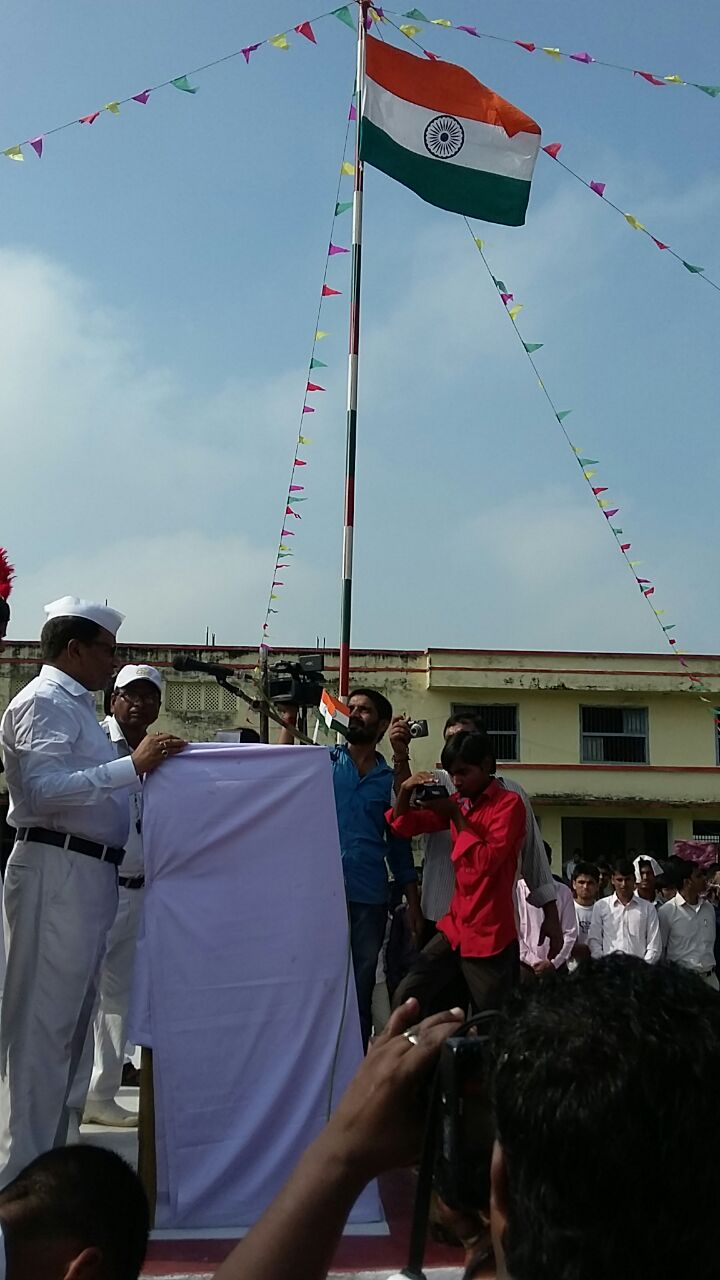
x,y
418,728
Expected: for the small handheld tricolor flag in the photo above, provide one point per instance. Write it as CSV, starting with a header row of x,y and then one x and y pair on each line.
x,y
335,714
435,128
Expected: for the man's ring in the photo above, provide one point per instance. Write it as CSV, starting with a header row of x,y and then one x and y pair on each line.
x,y
164,751
410,1035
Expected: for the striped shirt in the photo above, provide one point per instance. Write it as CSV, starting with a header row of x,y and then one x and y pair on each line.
x,y
439,875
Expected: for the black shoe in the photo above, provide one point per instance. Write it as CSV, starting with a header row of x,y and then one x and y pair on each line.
x,y
130,1076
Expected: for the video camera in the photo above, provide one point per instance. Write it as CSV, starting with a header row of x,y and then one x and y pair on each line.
x,y
299,683
464,1132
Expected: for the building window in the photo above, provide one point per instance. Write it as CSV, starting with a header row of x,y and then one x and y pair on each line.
x,y
614,735
706,830
198,697
500,722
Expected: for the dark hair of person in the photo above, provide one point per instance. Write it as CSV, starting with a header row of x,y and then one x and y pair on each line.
x,y
679,870
586,869
58,632
469,748
475,723
604,864
85,1194
379,701
623,867
588,1062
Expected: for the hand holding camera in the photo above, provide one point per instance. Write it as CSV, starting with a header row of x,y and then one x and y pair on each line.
x,y
426,792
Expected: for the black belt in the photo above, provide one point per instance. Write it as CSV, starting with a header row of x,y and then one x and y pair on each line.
x,y
76,844
131,882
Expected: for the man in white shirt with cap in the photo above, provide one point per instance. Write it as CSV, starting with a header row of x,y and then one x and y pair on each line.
x,y
69,804
134,706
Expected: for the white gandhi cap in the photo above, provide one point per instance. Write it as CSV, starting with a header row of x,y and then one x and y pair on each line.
x,y
73,607
127,675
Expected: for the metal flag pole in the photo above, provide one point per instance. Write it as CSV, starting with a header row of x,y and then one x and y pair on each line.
x,y
352,380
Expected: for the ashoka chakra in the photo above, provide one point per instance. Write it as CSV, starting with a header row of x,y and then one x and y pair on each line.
x,y
444,137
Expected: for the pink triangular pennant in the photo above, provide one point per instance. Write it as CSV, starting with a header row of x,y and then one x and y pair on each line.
x,y
296,488
250,49
526,44
89,119
650,591
327,292
581,57
352,113
37,146
432,56
299,462
651,79
659,243
598,188
307,408
142,97
336,248
613,512
600,489
314,386
507,297
552,149
625,546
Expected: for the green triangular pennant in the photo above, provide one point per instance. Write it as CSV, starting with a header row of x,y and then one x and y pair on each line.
x,y
712,89
531,347
671,627
342,207
182,83
345,16
615,530
695,270
587,462
500,285
317,364
563,413
420,17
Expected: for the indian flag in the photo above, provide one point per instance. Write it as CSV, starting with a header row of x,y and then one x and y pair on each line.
x,y
439,131
334,712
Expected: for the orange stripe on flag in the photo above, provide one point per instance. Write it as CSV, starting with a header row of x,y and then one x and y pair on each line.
x,y
442,87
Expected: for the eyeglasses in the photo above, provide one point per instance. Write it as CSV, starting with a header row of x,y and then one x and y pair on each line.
x,y
139,695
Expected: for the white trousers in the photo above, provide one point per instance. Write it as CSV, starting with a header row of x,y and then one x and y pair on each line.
x,y
58,908
104,1052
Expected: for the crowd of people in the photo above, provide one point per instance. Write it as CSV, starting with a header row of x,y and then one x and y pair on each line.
x,y
486,925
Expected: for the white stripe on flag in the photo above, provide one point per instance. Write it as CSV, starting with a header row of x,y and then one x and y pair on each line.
x,y
486,147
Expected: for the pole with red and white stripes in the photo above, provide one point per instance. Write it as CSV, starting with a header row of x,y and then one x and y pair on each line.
x,y
352,381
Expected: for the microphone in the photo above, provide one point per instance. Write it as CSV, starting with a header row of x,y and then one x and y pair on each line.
x,y
184,662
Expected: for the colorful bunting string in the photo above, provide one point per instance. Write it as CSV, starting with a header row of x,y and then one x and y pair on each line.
x,y
183,82
586,464
295,493
599,188
529,46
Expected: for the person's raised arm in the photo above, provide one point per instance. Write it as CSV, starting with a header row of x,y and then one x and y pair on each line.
x,y
378,1126
399,736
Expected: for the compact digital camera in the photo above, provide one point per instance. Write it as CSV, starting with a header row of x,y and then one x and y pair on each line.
x,y
418,728
465,1130
430,791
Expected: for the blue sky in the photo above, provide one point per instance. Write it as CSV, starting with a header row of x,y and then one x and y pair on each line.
x,y
161,273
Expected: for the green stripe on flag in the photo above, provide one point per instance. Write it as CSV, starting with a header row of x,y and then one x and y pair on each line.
x,y
454,187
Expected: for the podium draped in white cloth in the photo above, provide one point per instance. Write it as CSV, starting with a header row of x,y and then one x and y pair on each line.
x,y
243,985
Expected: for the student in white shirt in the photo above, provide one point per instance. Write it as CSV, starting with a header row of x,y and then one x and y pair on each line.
x,y
585,887
687,923
624,922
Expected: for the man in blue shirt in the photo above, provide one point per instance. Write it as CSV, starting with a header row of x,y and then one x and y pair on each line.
x,y
363,783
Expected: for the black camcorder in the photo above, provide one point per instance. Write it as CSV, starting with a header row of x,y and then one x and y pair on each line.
x,y
298,683
430,791
465,1131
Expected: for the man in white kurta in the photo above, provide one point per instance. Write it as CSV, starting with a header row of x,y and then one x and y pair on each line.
x,y
69,804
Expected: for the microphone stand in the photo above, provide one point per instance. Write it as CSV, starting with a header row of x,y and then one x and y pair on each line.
x,y
266,709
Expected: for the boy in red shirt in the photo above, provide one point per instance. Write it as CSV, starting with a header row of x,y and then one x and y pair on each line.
x,y
477,939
